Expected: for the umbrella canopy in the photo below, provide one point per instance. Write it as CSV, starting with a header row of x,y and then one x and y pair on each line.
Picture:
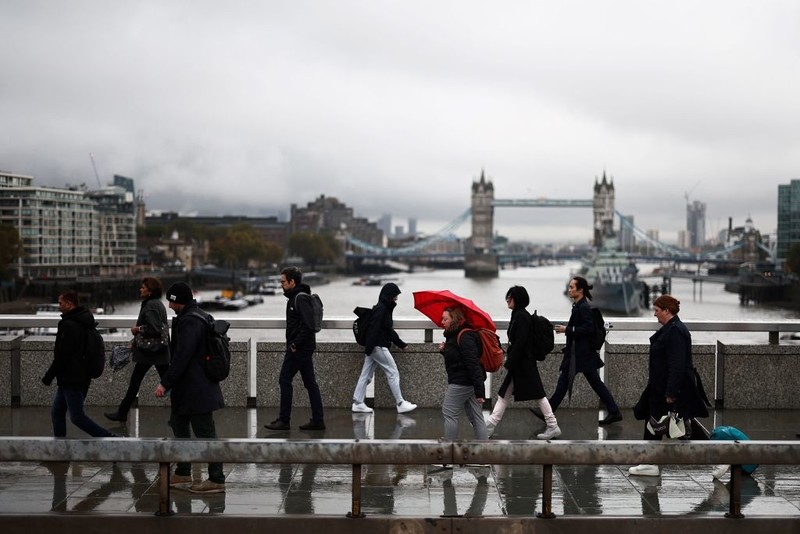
x,y
433,303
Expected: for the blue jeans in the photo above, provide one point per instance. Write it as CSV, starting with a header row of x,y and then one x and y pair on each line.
x,y
380,356
303,363
593,377
71,400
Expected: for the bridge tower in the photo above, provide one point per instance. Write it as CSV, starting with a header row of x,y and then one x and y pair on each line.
x,y
480,260
603,206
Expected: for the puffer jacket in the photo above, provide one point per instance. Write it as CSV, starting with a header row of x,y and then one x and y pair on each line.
x,y
463,361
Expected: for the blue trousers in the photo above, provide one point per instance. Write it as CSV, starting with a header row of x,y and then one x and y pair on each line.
x,y
303,363
593,377
71,400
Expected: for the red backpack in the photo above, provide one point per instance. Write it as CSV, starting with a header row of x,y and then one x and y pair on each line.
x,y
491,350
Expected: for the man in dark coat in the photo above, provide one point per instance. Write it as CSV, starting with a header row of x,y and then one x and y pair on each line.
x,y
69,368
194,396
301,342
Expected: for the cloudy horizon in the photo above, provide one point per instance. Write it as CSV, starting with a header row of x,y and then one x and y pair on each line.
x,y
396,107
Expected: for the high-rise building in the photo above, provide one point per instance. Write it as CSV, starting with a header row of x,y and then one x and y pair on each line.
x,y
788,218
696,224
627,241
385,224
71,232
412,227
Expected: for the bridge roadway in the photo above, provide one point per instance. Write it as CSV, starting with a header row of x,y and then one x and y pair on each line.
x,y
123,496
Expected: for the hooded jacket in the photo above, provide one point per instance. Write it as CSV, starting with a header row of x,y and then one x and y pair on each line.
x,y
380,329
298,316
69,367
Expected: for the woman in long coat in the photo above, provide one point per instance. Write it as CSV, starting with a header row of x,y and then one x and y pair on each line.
x,y
151,323
671,378
522,380
579,331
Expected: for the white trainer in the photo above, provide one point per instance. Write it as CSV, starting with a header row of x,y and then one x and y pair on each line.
x,y
490,428
645,470
551,432
405,407
720,470
360,407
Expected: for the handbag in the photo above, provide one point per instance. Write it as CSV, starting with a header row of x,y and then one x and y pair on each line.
x,y
670,425
119,358
152,344
677,427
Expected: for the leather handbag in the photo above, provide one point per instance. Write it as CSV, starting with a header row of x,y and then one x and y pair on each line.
x,y
153,344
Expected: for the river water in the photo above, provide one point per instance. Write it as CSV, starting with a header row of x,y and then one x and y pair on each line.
x,y
544,284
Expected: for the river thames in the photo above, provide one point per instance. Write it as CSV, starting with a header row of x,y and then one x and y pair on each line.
x,y
544,284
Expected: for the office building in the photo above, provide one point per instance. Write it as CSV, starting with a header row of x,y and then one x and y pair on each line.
x,y
788,218
696,224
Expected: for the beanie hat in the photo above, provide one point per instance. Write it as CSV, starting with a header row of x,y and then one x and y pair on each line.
x,y
180,293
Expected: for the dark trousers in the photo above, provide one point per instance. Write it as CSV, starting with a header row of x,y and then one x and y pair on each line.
x,y
593,377
138,374
71,400
303,363
203,426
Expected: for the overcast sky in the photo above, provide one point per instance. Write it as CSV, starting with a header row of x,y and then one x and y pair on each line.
x,y
243,107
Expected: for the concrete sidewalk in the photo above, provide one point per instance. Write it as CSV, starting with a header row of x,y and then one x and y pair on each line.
x,y
398,490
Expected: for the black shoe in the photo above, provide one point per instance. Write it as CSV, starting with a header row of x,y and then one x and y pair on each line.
x,y
278,424
614,417
311,425
116,416
537,412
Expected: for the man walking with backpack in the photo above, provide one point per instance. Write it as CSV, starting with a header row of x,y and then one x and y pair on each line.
x,y
301,342
194,396
70,369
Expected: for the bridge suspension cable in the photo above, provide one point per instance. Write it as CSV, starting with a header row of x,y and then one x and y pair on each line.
x,y
442,234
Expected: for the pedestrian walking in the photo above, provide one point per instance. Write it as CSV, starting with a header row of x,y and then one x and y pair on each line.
x,y
69,369
152,348
380,337
671,381
522,379
301,342
194,396
465,391
579,357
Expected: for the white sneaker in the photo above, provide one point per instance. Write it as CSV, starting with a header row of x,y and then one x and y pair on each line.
x,y
360,407
645,470
720,470
551,432
405,421
405,407
490,428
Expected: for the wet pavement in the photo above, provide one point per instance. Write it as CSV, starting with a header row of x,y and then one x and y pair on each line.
x,y
398,490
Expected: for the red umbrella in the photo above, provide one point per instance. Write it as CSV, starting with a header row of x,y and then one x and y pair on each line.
x,y
433,303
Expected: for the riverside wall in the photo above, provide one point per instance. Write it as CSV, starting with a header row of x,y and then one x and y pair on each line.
x,y
734,376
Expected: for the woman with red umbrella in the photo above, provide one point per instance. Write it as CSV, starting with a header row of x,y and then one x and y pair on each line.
x,y
465,376
523,380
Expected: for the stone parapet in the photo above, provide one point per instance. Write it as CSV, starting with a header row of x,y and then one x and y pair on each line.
x,y
759,376
9,374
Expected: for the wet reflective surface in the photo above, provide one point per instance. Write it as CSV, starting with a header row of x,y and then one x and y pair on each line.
x,y
415,490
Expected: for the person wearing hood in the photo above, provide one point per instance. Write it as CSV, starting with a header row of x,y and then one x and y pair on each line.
x,y
69,369
380,336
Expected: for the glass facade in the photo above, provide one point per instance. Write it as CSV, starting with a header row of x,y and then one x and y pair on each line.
x,y
788,218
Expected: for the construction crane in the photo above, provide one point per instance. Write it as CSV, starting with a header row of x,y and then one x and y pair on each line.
x,y
97,177
689,192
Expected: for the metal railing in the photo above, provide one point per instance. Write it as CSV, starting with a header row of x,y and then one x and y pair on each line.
x,y
409,452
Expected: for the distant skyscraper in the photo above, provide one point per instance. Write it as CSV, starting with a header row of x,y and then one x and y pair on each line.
x,y
398,230
627,240
696,224
788,217
412,226
385,224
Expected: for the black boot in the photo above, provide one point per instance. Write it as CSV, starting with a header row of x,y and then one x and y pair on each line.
x,y
116,416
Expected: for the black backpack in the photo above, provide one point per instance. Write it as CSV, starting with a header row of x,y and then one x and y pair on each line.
x,y
316,309
599,336
543,338
95,354
217,357
360,324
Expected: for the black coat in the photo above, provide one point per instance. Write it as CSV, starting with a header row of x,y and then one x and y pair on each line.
x,y
671,374
298,333
380,329
579,332
463,362
520,363
152,318
192,392
69,367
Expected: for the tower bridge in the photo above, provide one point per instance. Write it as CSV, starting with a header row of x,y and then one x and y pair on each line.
x,y
481,260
